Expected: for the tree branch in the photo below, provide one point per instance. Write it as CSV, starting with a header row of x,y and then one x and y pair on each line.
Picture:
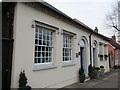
x,y
116,28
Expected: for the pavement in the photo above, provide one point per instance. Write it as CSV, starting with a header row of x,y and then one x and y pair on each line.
x,y
109,80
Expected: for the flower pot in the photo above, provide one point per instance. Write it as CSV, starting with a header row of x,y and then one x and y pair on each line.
x,y
97,74
102,72
82,78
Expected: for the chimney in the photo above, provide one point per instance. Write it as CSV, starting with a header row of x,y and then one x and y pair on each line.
x,y
114,38
96,29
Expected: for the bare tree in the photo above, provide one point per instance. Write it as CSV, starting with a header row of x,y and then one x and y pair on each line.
x,y
113,17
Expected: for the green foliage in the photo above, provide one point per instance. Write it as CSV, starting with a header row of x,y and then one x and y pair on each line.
x,y
116,66
91,71
22,79
97,68
81,71
81,75
101,66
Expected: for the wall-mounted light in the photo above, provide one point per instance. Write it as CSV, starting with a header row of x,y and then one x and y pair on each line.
x,y
75,36
58,31
33,23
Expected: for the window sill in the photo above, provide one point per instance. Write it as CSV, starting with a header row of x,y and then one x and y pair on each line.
x,y
65,64
44,67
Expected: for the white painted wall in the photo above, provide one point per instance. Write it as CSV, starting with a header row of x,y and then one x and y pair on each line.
x,y
23,53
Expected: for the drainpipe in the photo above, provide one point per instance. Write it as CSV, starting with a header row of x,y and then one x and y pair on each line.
x,y
114,55
90,48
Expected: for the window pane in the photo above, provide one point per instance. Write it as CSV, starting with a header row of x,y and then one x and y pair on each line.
x,y
36,60
36,30
43,60
36,41
39,54
50,33
50,59
36,54
44,32
40,42
36,48
47,43
48,37
36,35
66,47
40,30
47,48
43,41
39,48
40,36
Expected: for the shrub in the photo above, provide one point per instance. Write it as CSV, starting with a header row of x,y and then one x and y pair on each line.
x,y
101,66
115,66
81,75
91,71
97,68
81,71
23,79
119,66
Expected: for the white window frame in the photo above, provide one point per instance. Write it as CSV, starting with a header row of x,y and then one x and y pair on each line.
x,y
50,65
70,62
68,48
100,48
105,49
52,47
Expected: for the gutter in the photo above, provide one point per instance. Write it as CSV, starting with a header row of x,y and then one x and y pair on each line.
x,y
90,48
66,16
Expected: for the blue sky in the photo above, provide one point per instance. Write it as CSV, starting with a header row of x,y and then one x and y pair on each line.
x,y
90,12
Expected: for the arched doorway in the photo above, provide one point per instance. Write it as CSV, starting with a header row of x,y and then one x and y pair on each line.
x,y
83,43
95,53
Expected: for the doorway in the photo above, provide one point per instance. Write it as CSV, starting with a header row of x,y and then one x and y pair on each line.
x,y
94,57
83,46
109,56
95,54
81,56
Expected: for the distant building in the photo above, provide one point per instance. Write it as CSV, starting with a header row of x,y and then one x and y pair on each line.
x,y
114,52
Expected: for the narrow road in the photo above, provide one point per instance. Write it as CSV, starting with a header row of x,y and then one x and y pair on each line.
x,y
109,80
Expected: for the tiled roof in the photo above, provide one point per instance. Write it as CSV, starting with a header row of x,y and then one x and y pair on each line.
x,y
81,23
74,21
114,43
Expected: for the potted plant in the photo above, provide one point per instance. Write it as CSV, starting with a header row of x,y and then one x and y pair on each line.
x,y
81,75
115,66
97,72
91,71
23,81
105,56
102,70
